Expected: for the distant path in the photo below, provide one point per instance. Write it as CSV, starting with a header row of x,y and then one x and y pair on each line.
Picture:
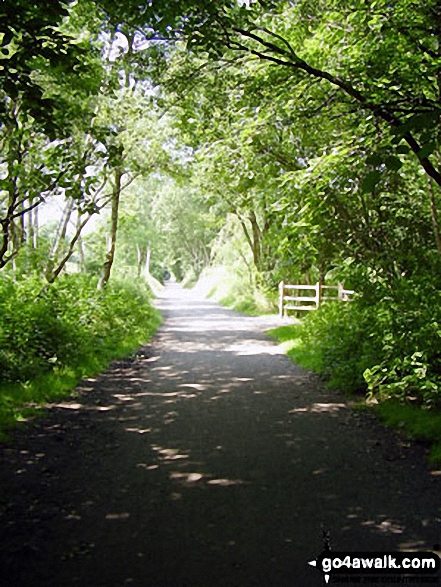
x,y
208,461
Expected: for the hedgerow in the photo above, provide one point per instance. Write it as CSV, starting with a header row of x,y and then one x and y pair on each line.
x,y
44,328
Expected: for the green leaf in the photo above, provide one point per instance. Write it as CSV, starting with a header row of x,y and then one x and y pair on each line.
x,y
374,160
418,122
393,163
370,181
427,150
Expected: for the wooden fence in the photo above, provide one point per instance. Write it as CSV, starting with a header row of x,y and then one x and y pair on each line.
x,y
310,297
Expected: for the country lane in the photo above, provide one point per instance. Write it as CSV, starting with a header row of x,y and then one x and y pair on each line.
x,y
207,460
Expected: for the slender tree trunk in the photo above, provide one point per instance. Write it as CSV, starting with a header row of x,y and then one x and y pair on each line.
x,y
143,255
80,244
30,228
7,222
139,256
35,229
56,272
257,239
107,267
147,261
57,245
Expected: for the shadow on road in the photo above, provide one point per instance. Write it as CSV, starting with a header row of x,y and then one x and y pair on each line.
x,y
208,460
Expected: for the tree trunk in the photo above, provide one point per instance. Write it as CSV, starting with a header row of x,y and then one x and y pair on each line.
x,y
56,272
143,255
80,244
139,256
7,222
147,261
57,245
107,267
30,228
257,239
35,229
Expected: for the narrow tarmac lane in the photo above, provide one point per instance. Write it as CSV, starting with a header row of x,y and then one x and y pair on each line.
x,y
210,460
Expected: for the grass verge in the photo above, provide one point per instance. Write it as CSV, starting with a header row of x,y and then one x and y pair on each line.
x,y
414,421
289,337
20,401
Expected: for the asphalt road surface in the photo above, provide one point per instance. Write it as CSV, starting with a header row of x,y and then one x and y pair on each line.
x,y
207,460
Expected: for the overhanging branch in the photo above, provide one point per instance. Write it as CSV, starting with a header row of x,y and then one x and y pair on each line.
x,y
288,58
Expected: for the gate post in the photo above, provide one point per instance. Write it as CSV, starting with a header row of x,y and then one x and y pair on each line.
x,y
281,295
340,292
318,294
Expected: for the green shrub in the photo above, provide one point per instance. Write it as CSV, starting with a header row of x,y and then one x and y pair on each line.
x,y
51,336
410,366
340,337
390,347
43,328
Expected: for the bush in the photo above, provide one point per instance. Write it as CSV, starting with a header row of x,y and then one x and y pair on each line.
x,y
338,342
389,347
67,324
410,366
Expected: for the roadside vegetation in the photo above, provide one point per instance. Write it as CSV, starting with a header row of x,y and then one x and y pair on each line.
x,y
52,337
341,343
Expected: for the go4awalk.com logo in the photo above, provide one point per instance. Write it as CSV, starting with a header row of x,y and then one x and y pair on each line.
x,y
355,565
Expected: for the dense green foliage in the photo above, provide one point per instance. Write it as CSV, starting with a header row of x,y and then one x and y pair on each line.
x,y
62,332
394,353
49,328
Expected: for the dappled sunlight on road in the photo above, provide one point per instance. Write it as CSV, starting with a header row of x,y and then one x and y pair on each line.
x,y
330,408
192,459
210,445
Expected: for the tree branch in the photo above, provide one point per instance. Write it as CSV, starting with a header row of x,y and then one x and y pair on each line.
x,y
380,111
28,209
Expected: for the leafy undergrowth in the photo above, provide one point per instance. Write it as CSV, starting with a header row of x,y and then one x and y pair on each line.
x,y
415,420
51,337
